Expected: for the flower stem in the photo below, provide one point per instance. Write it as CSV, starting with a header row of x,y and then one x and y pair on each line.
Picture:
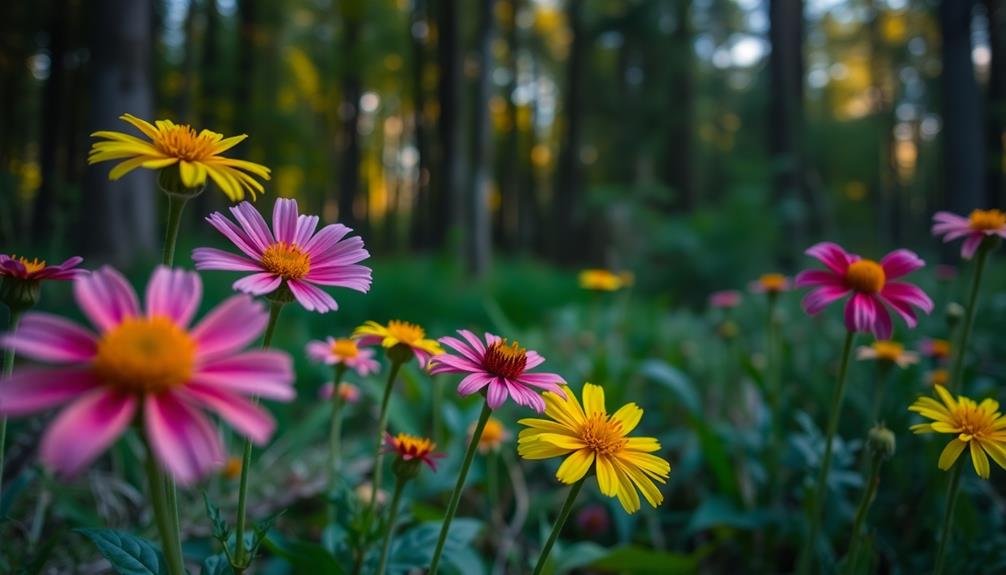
x,y
175,205
392,517
335,433
885,372
382,426
241,559
163,515
851,559
567,507
822,477
452,506
948,517
961,349
8,368
774,389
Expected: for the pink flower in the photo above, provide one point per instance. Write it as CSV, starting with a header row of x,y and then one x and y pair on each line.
x,y
725,299
290,256
25,269
980,224
334,351
871,287
149,368
348,392
500,366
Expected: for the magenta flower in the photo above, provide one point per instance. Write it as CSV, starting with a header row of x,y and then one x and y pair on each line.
x,y
148,368
334,351
980,224
871,287
725,299
500,366
290,256
25,269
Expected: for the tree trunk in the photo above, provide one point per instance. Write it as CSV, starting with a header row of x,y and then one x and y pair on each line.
x,y
446,198
53,108
565,235
678,173
349,111
507,221
121,216
995,132
478,239
963,132
419,225
247,52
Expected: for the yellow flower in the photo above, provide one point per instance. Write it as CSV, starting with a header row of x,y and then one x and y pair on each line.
x,y
889,352
197,156
398,333
938,377
592,438
493,435
979,426
772,283
604,280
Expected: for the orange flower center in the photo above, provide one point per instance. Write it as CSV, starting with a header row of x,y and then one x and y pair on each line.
x,y
345,348
30,266
405,332
938,377
940,348
987,220
181,141
888,350
505,359
492,434
773,282
865,276
145,355
602,434
973,421
286,260
411,445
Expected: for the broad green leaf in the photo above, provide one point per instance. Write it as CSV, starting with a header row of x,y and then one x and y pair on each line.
x,y
128,554
640,561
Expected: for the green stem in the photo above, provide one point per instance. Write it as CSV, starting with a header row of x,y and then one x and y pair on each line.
x,y
382,426
241,559
822,478
170,540
8,368
335,433
774,388
452,506
392,517
567,507
851,559
175,205
886,372
437,405
961,349
948,517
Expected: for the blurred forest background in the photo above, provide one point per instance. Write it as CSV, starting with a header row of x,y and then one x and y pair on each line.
x,y
639,134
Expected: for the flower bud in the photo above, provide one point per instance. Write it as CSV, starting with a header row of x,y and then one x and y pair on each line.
x,y
399,353
170,181
728,330
954,313
880,441
19,294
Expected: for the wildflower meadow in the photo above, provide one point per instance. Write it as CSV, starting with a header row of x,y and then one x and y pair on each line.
x,y
340,336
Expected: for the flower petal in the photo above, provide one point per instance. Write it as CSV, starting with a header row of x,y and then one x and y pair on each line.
x,y
244,416
85,429
30,390
231,326
174,294
950,453
575,466
50,338
184,441
106,298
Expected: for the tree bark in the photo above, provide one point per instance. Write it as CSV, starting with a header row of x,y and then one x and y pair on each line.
x,y
507,221
995,132
420,218
54,107
446,198
678,173
478,240
565,239
349,111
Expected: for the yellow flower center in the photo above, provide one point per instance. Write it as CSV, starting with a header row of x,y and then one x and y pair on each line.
x,y
492,434
865,276
772,282
181,141
987,220
30,266
973,421
286,260
145,355
406,444
405,332
602,434
888,350
505,359
345,348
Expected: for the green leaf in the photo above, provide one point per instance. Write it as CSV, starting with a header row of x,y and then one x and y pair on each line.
x,y
640,561
414,548
128,554
578,555
718,512
217,565
304,556
675,381
221,531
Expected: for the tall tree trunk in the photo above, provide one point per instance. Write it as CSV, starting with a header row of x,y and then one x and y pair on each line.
x,y
53,108
446,198
510,176
786,109
349,111
248,16
995,132
419,226
678,173
565,235
963,137
121,221
478,239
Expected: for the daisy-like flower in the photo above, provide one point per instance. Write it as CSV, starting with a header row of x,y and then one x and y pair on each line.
x,y
348,392
604,280
771,284
343,351
196,155
291,256
21,268
870,284
935,348
938,377
725,299
594,439
412,448
493,435
980,224
499,366
146,366
886,351
400,335
978,426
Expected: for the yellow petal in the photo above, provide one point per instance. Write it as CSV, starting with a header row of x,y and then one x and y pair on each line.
x,y
943,427
257,169
187,170
544,425
627,494
996,451
562,440
575,466
946,397
646,444
628,415
950,453
141,125
593,399
980,461
990,405
607,481
539,450
125,167
922,428
226,144
650,463
159,163
565,410
649,490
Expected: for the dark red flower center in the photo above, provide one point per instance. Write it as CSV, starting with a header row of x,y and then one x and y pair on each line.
x,y
505,359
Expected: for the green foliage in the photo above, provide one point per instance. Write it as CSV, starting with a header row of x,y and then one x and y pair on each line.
x,y
128,554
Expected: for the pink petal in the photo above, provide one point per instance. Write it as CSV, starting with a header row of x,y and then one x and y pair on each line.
x,y
46,337
320,351
354,277
474,382
860,313
235,234
253,225
265,373
214,259
305,229
85,429
258,283
818,299
284,220
63,271
971,245
907,293
345,252
549,381
818,278
833,256
492,339
325,239
247,418
311,297
184,441
30,390
174,294
900,262
460,347
533,360
474,341
497,393
106,298
882,327
230,327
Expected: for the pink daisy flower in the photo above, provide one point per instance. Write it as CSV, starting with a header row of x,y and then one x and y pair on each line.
x,y
725,299
980,224
24,269
147,367
871,287
290,256
500,366
343,351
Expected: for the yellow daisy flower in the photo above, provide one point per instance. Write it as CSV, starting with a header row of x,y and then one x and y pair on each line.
x,y
887,351
594,439
605,280
399,333
197,156
978,426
